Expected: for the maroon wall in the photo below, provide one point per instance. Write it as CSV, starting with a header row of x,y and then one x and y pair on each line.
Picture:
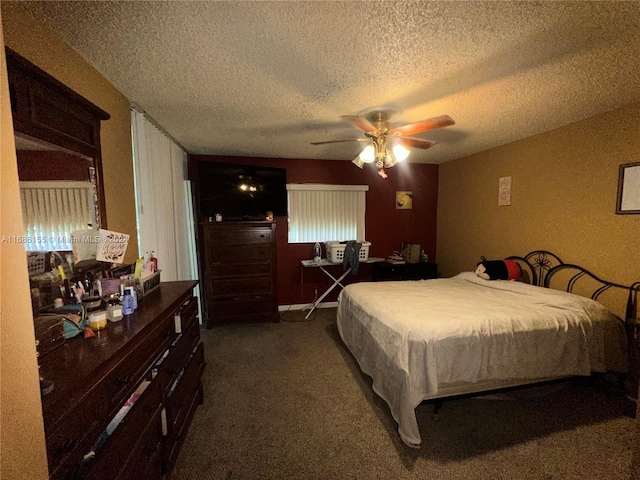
x,y
386,227
36,165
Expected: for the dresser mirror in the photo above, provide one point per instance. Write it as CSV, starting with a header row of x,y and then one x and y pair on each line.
x,y
57,131
57,193
57,136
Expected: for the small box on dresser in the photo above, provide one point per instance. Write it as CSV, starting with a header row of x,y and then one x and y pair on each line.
x,y
239,268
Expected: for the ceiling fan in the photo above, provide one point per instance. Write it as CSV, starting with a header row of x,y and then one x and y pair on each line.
x,y
388,145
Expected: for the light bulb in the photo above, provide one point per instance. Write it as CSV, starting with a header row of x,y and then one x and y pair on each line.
x,y
368,155
400,153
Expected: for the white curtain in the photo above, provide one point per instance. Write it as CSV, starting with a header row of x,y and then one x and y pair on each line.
x,y
321,213
163,200
51,210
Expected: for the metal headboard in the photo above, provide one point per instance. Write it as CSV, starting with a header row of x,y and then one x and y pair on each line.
x,y
598,286
541,267
536,266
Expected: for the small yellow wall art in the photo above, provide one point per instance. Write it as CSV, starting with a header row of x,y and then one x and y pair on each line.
x,y
404,200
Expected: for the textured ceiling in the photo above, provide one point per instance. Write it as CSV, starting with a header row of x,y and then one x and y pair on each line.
x,y
265,78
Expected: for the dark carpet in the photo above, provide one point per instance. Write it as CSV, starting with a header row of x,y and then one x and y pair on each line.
x,y
288,401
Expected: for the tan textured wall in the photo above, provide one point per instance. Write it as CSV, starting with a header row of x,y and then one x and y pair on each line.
x,y
564,186
22,446
42,47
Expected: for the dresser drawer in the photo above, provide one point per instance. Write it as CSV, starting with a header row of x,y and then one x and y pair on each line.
x,y
231,288
238,235
188,315
179,402
232,254
241,306
134,441
151,466
76,432
223,269
178,357
120,382
145,460
181,406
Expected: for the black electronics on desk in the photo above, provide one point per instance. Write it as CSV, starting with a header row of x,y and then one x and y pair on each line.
x,y
387,271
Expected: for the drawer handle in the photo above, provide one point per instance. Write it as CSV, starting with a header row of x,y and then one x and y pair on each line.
x,y
66,447
153,407
122,381
150,449
229,299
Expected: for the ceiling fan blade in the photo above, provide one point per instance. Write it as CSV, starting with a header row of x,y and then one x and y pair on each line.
x,y
361,123
414,142
423,126
338,141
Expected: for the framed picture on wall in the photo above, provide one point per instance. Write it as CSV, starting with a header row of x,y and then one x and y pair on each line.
x,y
629,189
404,200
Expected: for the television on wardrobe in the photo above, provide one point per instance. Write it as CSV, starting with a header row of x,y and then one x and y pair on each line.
x,y
241,192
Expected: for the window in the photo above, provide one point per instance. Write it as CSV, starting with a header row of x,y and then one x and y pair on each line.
x,y
52,210
321,213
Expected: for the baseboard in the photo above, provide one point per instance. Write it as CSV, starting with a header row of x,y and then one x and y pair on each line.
x,y
306,306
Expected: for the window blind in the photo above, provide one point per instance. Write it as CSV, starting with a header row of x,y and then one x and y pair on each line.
x,y
52,210
322,212
163,200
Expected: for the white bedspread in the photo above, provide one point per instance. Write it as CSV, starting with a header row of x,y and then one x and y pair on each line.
x,y
417,338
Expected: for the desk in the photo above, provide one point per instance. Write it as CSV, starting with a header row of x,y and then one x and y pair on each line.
x,y
384,271
321,264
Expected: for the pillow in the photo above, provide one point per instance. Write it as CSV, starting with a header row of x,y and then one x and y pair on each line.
x,y
498,269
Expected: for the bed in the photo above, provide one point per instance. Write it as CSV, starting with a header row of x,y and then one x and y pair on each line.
x,y
431,339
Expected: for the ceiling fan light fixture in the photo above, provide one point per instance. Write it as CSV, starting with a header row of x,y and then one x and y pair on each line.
x,y
401,153
388,144
368,155
390,159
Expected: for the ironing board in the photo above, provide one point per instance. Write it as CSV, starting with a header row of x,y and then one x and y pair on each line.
x,y
321,264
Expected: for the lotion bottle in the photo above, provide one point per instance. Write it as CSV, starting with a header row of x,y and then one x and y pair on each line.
x,y
127,301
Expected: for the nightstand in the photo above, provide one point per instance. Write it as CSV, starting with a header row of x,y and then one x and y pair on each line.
x,y
386,271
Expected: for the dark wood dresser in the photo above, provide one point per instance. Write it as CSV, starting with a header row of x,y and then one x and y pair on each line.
x,y
239,268
146,370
